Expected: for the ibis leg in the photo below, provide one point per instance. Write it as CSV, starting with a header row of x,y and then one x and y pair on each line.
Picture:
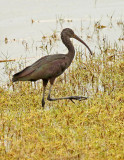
x,y
44,89
70,98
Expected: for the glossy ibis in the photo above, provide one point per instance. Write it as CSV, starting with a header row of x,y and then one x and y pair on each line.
x,y
49,67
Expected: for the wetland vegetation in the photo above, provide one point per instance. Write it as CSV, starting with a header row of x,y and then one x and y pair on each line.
x,y
86,130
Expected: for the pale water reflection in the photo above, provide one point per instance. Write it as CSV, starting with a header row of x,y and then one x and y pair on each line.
x,y
19,37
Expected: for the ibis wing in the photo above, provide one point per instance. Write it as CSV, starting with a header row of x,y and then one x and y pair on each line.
x,y
25,73
47,60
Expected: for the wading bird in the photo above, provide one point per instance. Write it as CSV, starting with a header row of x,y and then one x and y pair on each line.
x,y
48,68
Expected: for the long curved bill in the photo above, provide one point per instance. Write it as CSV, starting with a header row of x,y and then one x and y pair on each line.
x,y
77,38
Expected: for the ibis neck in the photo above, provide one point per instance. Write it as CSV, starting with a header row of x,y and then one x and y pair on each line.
x,y
69,45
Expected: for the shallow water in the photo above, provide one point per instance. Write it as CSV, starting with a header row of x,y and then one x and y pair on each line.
x,y
23,38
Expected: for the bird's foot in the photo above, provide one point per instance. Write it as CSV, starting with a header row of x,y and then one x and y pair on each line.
x,y
79,98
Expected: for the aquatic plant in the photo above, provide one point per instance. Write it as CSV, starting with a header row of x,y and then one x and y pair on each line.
x,y
91,129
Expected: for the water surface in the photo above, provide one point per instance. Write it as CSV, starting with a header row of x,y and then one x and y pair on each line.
x,y
23,38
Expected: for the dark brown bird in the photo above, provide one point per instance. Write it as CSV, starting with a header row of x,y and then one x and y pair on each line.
x,y
49,67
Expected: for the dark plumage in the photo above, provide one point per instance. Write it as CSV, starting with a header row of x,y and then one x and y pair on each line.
x,y
49,67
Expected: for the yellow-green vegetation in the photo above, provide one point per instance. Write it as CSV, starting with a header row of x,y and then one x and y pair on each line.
x,y
86,130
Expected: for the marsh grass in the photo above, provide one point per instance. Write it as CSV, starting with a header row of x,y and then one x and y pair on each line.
x,y
91,129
